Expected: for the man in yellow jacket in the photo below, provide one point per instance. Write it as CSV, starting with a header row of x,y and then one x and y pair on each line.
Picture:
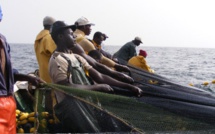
x,y
83,29
140,61
44,47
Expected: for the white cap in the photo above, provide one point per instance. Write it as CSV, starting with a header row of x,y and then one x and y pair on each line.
x,y
138,38
48,20
83,21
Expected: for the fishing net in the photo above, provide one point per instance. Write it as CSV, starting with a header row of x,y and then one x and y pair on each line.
x,y
167,94
130,114
165,107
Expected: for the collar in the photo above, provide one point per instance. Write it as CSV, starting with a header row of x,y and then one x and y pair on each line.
x,y
96,45
68,51
79,32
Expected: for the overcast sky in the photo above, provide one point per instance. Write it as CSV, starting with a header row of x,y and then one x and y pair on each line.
x,y
165,23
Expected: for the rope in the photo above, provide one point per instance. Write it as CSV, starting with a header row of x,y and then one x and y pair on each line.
x,y
36,122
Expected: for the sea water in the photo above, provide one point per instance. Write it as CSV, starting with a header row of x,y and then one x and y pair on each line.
x,y
182,65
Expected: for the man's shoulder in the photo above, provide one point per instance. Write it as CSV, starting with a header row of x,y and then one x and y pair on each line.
x,y
2,37
4,41
42,34
79,38
78,56
58,57
136,59
55,53
130,43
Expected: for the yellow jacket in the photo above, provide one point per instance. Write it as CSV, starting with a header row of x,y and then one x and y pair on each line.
x,y
88,46
44,46
140,62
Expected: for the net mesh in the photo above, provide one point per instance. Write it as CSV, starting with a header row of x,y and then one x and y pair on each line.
x,y
135,113
166,106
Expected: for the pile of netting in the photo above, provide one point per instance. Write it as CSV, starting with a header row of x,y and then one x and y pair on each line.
x,y
116,113
165,107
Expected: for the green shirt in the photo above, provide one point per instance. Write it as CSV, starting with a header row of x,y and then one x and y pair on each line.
x,y
126,52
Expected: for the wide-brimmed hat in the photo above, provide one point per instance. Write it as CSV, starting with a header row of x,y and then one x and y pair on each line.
x,y
58,26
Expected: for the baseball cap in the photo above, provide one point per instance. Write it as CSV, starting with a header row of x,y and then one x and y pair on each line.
x,y
58,26
105,35
143,53
138,39
83,21
48,20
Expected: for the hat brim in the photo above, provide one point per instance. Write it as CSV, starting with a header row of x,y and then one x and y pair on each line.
x,y
69,26
92,24
73,27
139,41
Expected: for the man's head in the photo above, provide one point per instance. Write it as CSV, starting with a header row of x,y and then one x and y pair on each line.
x,y
95,54
137,40
143,53
62,34
98,38
84,25
47,22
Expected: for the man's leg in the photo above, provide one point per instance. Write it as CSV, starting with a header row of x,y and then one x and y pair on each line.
x,y
7,115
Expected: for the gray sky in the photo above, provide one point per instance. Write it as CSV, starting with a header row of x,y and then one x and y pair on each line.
x,y
172,23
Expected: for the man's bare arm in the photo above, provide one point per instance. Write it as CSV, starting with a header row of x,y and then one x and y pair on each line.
x,y
100,67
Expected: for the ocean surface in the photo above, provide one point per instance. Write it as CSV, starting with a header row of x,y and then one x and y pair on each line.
x,y
182,65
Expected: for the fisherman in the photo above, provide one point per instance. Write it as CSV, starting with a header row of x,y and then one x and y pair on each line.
x,y
101,67
83,28
127,51
95,54
67,68
98,38
140,61
58,64
7,79
44,46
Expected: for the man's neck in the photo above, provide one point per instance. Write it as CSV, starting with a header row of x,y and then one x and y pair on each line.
x,y
64,50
